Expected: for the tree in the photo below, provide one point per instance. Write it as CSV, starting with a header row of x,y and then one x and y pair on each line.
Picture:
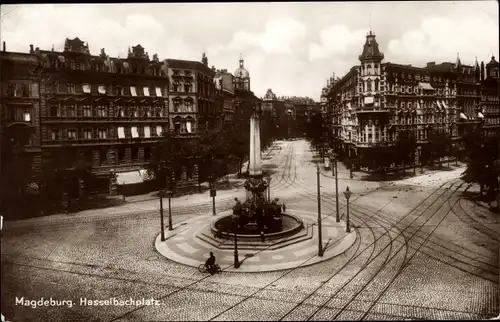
x,y
168,156
63,168
482,160
377,158
315,131
213,153
439,146
238,144
404,150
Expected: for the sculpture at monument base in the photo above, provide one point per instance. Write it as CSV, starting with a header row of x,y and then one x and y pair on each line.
x,y
257,216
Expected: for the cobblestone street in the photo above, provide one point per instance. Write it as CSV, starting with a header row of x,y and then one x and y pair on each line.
x,y
421,252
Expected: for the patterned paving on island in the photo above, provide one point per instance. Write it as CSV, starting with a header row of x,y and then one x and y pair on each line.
x,y
183,246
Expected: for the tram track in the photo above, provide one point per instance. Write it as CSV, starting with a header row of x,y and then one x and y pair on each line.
x,y
287,179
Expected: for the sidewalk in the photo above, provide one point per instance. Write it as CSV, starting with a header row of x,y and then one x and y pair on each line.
x,y
343,173
142,204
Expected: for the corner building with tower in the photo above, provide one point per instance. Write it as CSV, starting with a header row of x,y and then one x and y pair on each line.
x,y
375,101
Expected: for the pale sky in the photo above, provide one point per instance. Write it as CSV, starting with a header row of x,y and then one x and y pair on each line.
x,y
290,47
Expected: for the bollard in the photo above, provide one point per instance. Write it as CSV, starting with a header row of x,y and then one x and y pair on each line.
x,y
262,236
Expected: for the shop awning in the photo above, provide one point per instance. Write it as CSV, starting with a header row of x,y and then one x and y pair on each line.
x,y
131,177
425,86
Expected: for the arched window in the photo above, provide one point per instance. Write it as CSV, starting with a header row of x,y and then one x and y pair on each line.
x,y
368,69
364,87
376,84
369,85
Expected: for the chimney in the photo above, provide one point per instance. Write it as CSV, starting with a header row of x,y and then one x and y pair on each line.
x,y
3,46
431,64
31,49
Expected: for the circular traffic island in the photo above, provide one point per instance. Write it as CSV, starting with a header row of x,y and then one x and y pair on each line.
x,y
294,245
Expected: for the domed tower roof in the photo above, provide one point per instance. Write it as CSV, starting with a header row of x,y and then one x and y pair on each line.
x,y
492,63
241,72
370,49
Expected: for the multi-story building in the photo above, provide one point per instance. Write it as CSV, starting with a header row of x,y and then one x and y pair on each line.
x,y
375,101
109,111
490,104
19,110
225,84
192,106
299,108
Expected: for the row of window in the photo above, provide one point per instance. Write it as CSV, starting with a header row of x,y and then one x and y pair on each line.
x,y
105,133
22,90
60,62
86,110
122,132
427,78
116,90
375,138
490,109
489,98
20,114
491,120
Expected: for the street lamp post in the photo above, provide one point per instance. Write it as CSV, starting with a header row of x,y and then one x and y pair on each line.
x,y
347,194
213,192
351,163
169,195
162,192
236,260
320,246
420,159
334,167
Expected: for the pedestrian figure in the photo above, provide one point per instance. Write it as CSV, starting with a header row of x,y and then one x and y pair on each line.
x,y
284,207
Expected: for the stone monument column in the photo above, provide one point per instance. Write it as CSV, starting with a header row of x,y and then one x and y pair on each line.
x,y
255,166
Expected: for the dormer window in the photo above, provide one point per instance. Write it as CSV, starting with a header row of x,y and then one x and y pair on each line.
x,y
158,92
132,91
146,91
101,89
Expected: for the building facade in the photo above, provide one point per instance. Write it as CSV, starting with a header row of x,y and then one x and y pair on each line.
x,y
224,82
375,101
490,103
108,110
20,135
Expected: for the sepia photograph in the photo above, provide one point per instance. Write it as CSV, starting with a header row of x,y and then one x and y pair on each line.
x,y
250,161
